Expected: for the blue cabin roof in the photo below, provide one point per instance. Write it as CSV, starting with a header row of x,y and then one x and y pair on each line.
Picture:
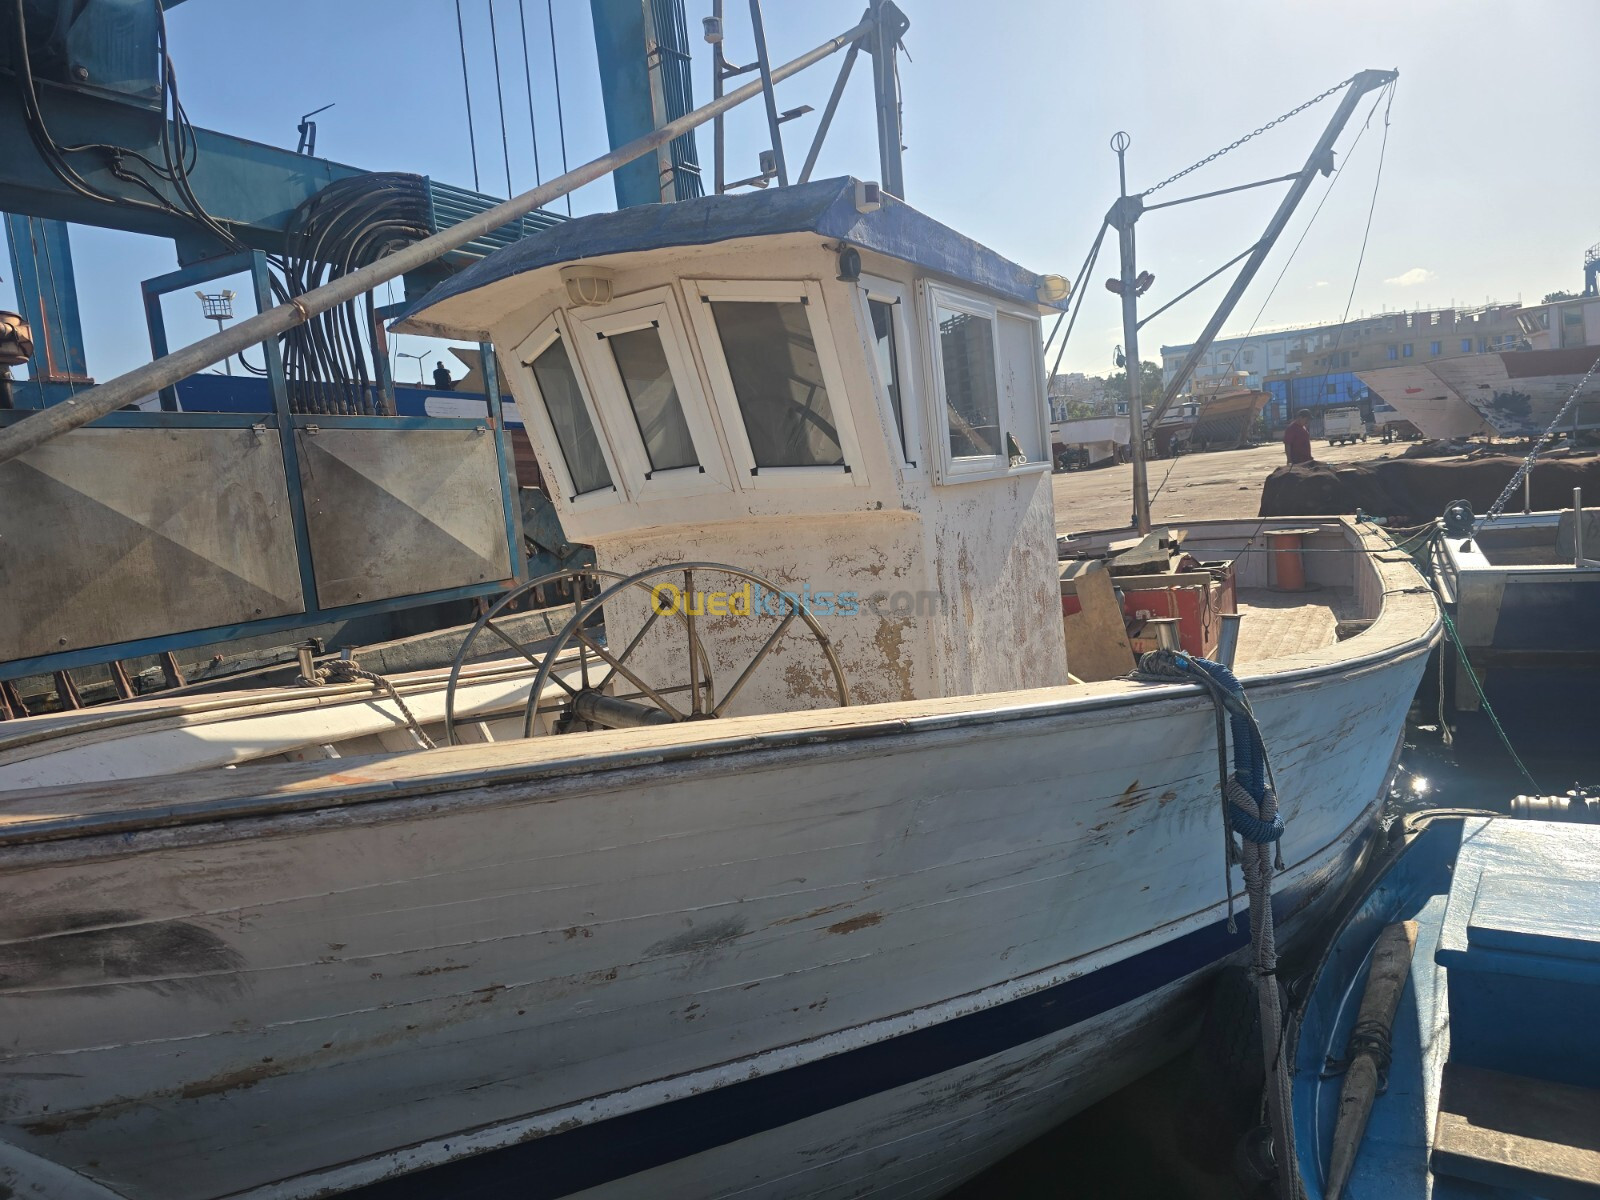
x,y
825,207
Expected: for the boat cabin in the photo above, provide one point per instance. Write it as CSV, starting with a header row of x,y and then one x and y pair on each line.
x,y
819,386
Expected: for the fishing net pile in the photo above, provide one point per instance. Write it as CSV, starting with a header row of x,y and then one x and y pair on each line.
x,y
1412,490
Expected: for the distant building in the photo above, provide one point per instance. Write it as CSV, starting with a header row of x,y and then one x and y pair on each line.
x,y
1561,324
1314,366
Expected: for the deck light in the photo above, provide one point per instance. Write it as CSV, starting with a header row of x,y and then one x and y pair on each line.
x,y
1053,289
587,287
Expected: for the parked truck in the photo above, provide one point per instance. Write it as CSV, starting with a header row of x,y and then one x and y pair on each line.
x,y
1342,425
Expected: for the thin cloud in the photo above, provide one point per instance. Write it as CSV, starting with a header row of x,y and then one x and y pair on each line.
x,y
1411,278
1320,283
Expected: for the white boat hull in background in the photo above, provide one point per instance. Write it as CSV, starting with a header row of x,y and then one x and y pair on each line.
x,y
1422,398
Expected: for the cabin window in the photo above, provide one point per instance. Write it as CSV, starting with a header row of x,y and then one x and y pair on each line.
x,y
888,359
971,393
884,310
653,398
774,373
988,373
777,379
649,396
569,417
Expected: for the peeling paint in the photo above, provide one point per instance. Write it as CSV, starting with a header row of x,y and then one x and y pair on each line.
x,y
710,936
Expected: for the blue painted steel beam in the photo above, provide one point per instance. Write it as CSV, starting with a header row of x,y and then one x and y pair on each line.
x,y
251,187
47,294
644,80
502,448
620,42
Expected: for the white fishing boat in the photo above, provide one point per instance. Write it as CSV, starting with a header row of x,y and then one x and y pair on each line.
x,y
1089,441
815,875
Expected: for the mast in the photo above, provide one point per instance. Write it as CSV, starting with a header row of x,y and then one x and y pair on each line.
x,y
1123,216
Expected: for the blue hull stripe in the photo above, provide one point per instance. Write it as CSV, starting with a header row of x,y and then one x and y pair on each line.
x,y
559,1164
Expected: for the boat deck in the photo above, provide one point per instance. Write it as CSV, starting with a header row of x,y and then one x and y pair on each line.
x,y
1277,624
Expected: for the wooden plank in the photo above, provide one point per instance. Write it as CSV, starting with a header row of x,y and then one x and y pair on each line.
x,y
1149,557
1514,1132
1097,638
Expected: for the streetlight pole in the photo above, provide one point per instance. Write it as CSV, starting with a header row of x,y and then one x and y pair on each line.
x,y
218,307
421,379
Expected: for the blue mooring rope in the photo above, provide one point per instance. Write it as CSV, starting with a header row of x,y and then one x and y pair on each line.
x,y
1249,752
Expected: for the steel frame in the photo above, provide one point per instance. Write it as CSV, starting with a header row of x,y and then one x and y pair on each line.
x,y
169,416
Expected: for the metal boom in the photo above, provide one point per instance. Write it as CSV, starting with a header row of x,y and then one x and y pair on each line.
x,y
1320,160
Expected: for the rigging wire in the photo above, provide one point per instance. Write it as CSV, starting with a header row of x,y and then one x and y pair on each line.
x,y
1371,208
555,69
1083,275
466,90
527,75
500,95
1234,145
1326,192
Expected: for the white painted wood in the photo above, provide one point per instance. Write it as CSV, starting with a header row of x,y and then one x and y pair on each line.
x,y
517,935
1423,398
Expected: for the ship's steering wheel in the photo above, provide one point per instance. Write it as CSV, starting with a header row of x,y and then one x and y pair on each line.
x,y
690,695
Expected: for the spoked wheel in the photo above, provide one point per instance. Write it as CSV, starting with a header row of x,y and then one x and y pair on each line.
x,y
580,582
691,693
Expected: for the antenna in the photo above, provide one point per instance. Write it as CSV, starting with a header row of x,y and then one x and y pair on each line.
x,y
308,132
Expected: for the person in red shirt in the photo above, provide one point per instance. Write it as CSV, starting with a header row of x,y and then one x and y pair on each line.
x,y
1297,438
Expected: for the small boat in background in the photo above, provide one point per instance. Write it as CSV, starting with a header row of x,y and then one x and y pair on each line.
x,y
1215,420
1226,418
1080,442
1522,591
1492,1064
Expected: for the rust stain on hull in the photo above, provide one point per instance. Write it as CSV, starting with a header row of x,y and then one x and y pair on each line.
x,y
864,921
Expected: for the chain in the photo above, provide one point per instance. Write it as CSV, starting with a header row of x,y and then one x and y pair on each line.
x,y
1254,133
1527,464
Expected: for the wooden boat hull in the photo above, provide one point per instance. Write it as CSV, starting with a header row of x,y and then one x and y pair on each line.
x,y
449,960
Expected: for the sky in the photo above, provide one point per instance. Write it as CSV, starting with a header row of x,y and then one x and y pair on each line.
x,y
1486,192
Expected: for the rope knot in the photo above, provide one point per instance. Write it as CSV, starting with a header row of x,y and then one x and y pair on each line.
x,y
1164,664
1244,815
348,670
